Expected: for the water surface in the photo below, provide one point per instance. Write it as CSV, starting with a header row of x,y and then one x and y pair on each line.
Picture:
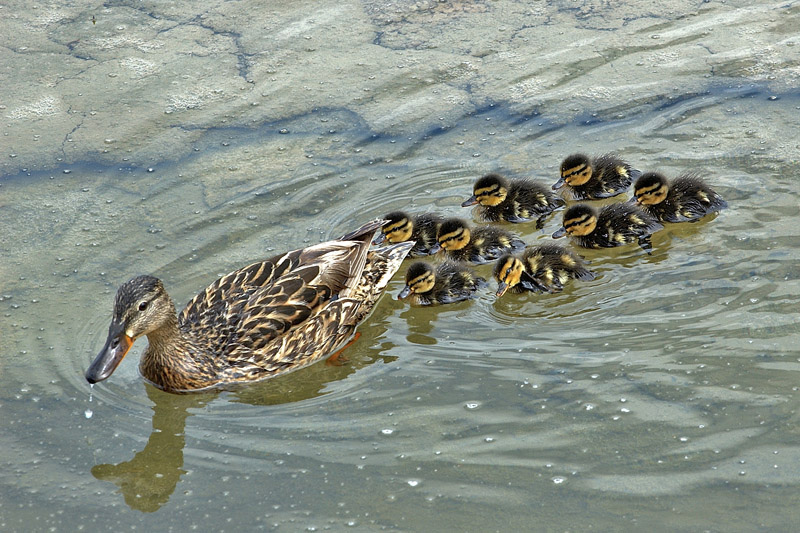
x,y
186,144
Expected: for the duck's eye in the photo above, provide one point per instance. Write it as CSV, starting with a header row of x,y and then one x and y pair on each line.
x,y
143,305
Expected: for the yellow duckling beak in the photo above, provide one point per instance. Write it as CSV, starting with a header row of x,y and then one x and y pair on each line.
x,y
472,200
117,345
502,287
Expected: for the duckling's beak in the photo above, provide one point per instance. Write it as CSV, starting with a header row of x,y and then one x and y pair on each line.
x,y
560,183
435,249
472,200
560,232
502,287
404,293
117,345
379,238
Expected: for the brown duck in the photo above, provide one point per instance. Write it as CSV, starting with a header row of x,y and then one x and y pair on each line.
x,y
254,323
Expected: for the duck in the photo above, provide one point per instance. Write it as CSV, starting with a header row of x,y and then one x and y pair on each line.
x,y
686,198
480,245
254,323
518,200
585,178
447,282
401,227
613,225
541,268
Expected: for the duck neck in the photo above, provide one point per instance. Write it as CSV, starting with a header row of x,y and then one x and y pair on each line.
x,y
170,357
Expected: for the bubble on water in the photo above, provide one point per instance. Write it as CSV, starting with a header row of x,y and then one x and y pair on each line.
x,y
413,482
387,431
558,480
472,405
88,413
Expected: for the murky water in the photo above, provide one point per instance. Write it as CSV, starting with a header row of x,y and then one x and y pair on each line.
x,y
658,396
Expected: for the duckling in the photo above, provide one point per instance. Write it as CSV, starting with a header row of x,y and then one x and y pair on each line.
x,y
613,225
401,227
685,199
447,283
481,245
519,200
599,177
543,268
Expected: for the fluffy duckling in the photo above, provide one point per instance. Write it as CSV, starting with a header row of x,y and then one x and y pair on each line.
x,y
599,177
613,225
401,227
685,199
519,200
448,282
479,245
543,268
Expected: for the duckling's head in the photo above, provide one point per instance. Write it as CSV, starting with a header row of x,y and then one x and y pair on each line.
x,y
489,191
420,278
454,234
579,220
575,171
398,228
142,306
651,189
508,272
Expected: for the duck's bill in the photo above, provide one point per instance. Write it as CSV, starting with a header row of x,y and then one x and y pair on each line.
x,y
109,358
379,238
560,232
404,293
435,249
560,183
502,287
472,200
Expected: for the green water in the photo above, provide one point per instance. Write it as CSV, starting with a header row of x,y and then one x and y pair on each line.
x,y
187,143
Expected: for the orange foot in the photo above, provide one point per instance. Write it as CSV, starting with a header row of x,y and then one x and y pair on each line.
x,y
337,359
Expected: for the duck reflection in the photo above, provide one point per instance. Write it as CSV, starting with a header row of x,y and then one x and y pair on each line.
x,y
149,479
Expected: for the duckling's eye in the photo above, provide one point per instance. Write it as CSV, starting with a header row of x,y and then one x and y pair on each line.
x,y
143,305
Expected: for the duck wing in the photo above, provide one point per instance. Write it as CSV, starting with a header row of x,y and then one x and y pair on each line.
x,y
245,311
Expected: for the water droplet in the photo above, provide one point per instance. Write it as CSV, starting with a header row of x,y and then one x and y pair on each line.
x,y
387,431
558,480
88,413
413,482
472,405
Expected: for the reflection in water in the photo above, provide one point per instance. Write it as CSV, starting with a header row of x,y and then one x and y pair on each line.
x,y
148,480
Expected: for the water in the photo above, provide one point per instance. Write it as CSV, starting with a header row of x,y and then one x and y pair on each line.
x,y
658,396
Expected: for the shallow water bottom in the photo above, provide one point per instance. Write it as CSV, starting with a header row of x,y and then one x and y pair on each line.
x,y
658,396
